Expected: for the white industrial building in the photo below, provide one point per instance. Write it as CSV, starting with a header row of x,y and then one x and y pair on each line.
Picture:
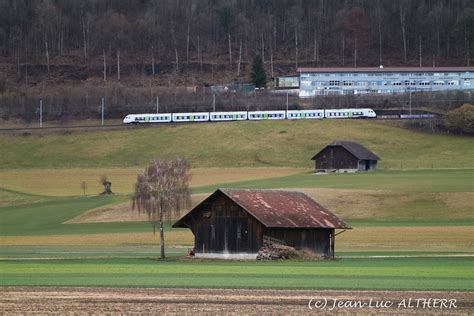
x,y
364,80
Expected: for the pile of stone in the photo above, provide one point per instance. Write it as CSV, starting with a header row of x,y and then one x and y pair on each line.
x,y
276,252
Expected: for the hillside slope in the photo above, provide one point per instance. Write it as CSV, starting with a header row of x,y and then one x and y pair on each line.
x,y
234,144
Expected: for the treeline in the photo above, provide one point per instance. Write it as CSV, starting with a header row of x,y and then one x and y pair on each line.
x,y
304,32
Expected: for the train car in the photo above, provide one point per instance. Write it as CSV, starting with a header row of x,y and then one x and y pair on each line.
x,y
190,117
417,116
266,115
349,113
228,116
147,118
304,114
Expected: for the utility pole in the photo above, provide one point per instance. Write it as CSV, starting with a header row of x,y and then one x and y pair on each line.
x,y
410,100
287,103
41,113
157,105
102,111
213,102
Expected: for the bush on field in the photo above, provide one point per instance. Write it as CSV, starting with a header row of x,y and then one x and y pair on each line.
x,y
461,120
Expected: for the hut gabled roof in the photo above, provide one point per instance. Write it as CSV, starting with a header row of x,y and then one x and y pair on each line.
x,y
277,209
356,149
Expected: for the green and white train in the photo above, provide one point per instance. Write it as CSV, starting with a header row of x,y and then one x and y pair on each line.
x,y
248,115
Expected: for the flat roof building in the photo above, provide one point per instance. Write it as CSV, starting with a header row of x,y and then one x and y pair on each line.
x,y
364,80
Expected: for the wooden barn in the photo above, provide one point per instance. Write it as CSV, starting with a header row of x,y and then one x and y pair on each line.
x,y
234,223
345,156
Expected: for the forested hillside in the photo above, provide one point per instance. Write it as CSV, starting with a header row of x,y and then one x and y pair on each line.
x,y
231,32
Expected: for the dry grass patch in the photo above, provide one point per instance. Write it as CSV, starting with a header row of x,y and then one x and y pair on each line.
x,y
435,238
66,182
174,237
121,212
380,204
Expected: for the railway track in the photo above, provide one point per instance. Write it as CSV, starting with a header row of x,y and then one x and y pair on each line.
x,y
13,129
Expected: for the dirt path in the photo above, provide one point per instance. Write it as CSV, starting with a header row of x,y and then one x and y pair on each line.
x,y
47,300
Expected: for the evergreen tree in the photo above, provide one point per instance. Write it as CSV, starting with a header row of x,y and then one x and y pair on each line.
x,y
258,75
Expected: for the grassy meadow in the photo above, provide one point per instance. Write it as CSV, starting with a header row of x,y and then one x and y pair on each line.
x,y
242,144
350,273
417,209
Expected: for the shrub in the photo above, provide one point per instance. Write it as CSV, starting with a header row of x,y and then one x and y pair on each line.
x,y
461,120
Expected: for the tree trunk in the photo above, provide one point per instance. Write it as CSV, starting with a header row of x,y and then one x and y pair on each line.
x,y
84,35
403,29
240,59
271,61
18,67
62,40
152,61
118,64
343,48
230,49
47,54
380,41
162,235
177,62
199,53
263,48
187,42
26,65
296,48
467,49
315,47
105,66
355,52
421,63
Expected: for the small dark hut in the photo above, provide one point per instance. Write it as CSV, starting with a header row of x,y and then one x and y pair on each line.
x,y
345,156
239,221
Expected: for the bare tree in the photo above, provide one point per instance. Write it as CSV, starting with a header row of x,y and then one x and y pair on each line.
x,y
296,47
403,29
152,60
240,59
84,34
118,64
162,190
105,66
47,53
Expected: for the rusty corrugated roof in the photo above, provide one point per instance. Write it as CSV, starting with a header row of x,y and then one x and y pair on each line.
x,y
385,69
279,209
288,209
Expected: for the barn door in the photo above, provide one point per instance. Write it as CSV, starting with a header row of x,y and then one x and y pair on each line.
x,y
242,235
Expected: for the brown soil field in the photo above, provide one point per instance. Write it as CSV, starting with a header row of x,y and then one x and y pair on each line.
x,y
66,182
179,301
366,239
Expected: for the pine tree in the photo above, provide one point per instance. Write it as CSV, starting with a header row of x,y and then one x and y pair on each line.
x,y
258,75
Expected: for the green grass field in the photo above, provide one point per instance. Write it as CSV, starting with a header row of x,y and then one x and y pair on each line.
x,y
351,273
419,203
236,144
408,181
